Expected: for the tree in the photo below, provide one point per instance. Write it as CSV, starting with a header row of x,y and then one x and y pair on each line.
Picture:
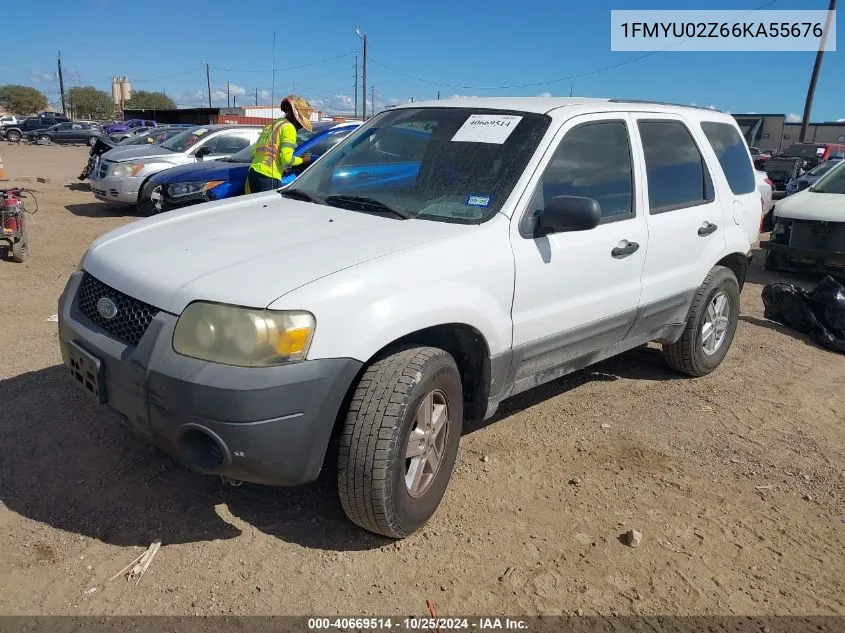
x,y
22,99
144,100
87,102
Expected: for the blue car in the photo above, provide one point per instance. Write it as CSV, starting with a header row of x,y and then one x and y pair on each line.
x,y
805,181
225,178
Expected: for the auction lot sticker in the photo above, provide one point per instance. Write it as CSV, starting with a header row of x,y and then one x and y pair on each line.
x,y
487,128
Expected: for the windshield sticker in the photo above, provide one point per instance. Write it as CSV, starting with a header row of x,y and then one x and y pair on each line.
x,y
819,151
487,128
200,131
479,201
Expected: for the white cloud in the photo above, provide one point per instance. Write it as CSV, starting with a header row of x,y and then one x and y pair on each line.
x,y
37,77
793,118
840,120
545,95
693,103
711,107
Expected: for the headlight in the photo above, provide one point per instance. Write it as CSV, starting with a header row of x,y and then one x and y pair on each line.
x,y
183,189
123,170
245,337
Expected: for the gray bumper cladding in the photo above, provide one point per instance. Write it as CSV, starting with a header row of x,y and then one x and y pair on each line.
x,y
262,425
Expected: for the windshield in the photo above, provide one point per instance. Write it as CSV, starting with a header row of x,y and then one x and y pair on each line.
x,y
243,156
803,151
823,168
185,139
446,164
833,181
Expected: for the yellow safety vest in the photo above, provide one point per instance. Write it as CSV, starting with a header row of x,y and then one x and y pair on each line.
x,y
273,152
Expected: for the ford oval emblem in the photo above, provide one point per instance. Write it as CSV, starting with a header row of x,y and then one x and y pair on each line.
x,y
106,308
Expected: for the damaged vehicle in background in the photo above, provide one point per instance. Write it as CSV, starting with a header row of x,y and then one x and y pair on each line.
x,y
226,178
123,171
153,137
801,183
809,228
796,160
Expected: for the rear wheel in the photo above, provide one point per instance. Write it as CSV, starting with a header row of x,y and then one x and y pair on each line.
x,y
13,135
710,326
400,440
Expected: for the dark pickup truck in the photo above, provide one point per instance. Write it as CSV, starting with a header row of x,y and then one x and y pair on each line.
x,y
17,131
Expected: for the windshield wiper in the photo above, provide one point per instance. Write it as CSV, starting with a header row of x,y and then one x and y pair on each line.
x,y
362,203
298,194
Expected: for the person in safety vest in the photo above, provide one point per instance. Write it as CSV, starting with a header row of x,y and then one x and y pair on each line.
x,y
273,153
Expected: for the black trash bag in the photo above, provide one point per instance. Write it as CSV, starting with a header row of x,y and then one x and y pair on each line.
x,y
819,313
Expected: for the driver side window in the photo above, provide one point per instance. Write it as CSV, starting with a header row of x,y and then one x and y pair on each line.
x,y
592,161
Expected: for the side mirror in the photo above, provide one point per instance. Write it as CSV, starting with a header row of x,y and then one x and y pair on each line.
x,y
568,213
205,150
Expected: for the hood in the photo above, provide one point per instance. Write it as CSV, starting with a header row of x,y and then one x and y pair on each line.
x,y
248,251
196,172
807,205
132,152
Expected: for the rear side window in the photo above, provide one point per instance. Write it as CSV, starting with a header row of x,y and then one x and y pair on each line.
x,y
676,172
732,155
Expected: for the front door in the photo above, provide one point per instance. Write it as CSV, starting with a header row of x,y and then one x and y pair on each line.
x,y
577,292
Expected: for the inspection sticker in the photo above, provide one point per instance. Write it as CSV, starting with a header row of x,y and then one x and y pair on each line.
x,y
487,128
478,201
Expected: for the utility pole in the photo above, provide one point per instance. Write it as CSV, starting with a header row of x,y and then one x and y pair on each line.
x,y
412,99
228,100
235,100
438,95
356,86
363,36
273,89
374,101
62,85
256,96
208,80
808,104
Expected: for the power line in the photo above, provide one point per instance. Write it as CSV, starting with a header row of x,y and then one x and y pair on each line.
x,y
551,81
276,70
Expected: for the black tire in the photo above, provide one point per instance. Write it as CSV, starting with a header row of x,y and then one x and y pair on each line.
x,y
145,205
20,249
92,141
372,447
13,136
687,355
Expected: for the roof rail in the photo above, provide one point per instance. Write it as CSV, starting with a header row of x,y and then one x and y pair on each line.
x,y
664,103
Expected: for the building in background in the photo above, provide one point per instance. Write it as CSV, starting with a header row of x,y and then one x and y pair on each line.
x,y
772,132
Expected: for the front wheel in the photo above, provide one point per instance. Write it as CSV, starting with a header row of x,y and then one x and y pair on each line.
x,y
13,136
710,326
92,141
400,440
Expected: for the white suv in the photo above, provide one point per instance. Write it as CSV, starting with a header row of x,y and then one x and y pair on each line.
x,y
443,257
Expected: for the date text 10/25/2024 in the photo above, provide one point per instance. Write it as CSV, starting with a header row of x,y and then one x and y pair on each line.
x,y
417,624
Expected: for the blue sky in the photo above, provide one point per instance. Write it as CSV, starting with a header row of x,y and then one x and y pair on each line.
x,y
460,47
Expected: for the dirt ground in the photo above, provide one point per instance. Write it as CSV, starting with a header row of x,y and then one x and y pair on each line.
x,y
735,480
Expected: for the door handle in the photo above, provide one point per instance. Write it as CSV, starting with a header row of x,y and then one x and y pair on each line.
x,y
706,229
623,251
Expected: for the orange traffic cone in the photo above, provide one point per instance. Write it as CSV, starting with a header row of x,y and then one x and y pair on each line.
x,y
3,175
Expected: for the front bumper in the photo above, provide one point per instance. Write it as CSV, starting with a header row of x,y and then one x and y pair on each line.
x,y
114,189
806,259
262,425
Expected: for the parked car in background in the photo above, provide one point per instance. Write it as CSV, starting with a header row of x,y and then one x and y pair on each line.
x,y
122,171
128,125
224,178
155,136
802,182
764,186
809,228
759,157
8,119
798,159
16,131
69,132
117,137
275,336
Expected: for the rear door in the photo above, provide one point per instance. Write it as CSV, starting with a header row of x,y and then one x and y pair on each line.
x,y
686,225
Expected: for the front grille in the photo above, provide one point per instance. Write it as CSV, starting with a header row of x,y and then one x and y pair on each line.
x,y
818,236
132,318
103,169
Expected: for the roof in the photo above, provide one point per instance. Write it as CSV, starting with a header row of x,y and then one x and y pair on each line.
x,y
544,105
